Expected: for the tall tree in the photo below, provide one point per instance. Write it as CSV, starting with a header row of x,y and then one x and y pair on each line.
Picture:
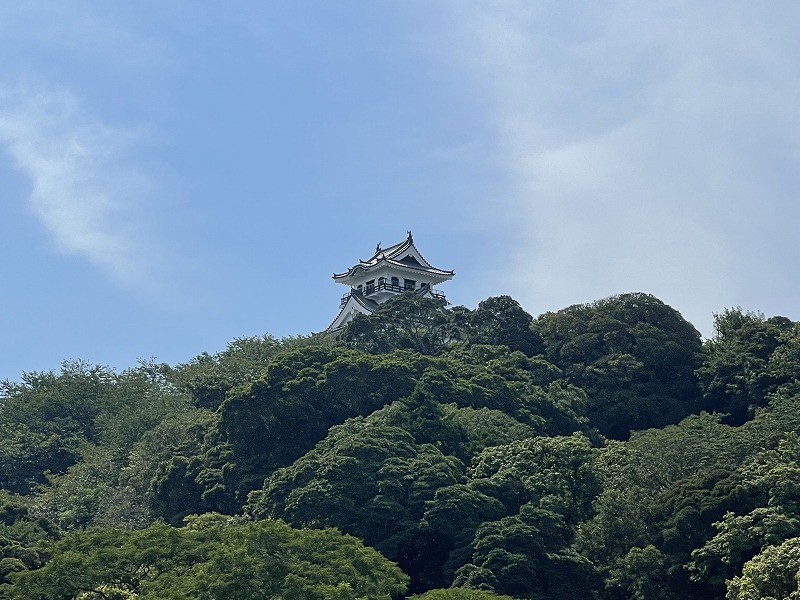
x,y
502,321
747,358
633,355
406,322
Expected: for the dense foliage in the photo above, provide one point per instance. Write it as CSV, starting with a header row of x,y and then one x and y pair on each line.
x,y
602,451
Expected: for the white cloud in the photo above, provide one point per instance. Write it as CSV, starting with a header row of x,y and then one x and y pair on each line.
x,y
646,144
83,191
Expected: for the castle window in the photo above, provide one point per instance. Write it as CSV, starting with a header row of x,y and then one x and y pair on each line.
x,y
410,284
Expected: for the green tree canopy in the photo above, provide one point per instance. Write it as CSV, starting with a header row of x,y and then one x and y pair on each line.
x,y
460,594
748,358
633,355
272,421
773,573
209,377
21,534
369,479
212,557
407,322
501,321
49,419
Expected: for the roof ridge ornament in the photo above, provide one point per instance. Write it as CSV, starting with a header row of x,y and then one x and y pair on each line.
x,y
390,272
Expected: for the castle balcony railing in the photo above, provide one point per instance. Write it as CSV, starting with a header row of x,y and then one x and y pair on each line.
x,y
388,287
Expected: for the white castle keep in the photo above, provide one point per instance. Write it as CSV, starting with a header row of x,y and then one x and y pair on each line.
x,y
390,271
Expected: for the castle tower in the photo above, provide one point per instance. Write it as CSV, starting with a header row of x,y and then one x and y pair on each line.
x,y
390,271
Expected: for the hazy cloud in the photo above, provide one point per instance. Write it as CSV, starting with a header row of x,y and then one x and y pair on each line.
x,y
653,149
83,191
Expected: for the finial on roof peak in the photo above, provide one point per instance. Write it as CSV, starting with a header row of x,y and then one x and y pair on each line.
x,y
378,248
409,234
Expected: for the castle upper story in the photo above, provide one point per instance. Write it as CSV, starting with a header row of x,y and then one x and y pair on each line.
x,y
390,271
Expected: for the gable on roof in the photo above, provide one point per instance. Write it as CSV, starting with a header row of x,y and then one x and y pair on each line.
x,y
410,261
403,255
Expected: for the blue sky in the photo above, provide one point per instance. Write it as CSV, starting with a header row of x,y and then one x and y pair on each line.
x,y
176,175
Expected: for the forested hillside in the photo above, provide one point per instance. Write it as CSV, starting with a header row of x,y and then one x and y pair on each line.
x,y
602,451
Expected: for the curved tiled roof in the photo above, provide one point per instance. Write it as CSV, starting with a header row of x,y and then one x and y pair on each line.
x,y
393,255
366,303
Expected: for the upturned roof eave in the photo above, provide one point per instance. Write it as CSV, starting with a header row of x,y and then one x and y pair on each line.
x,y
353,299
432,271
